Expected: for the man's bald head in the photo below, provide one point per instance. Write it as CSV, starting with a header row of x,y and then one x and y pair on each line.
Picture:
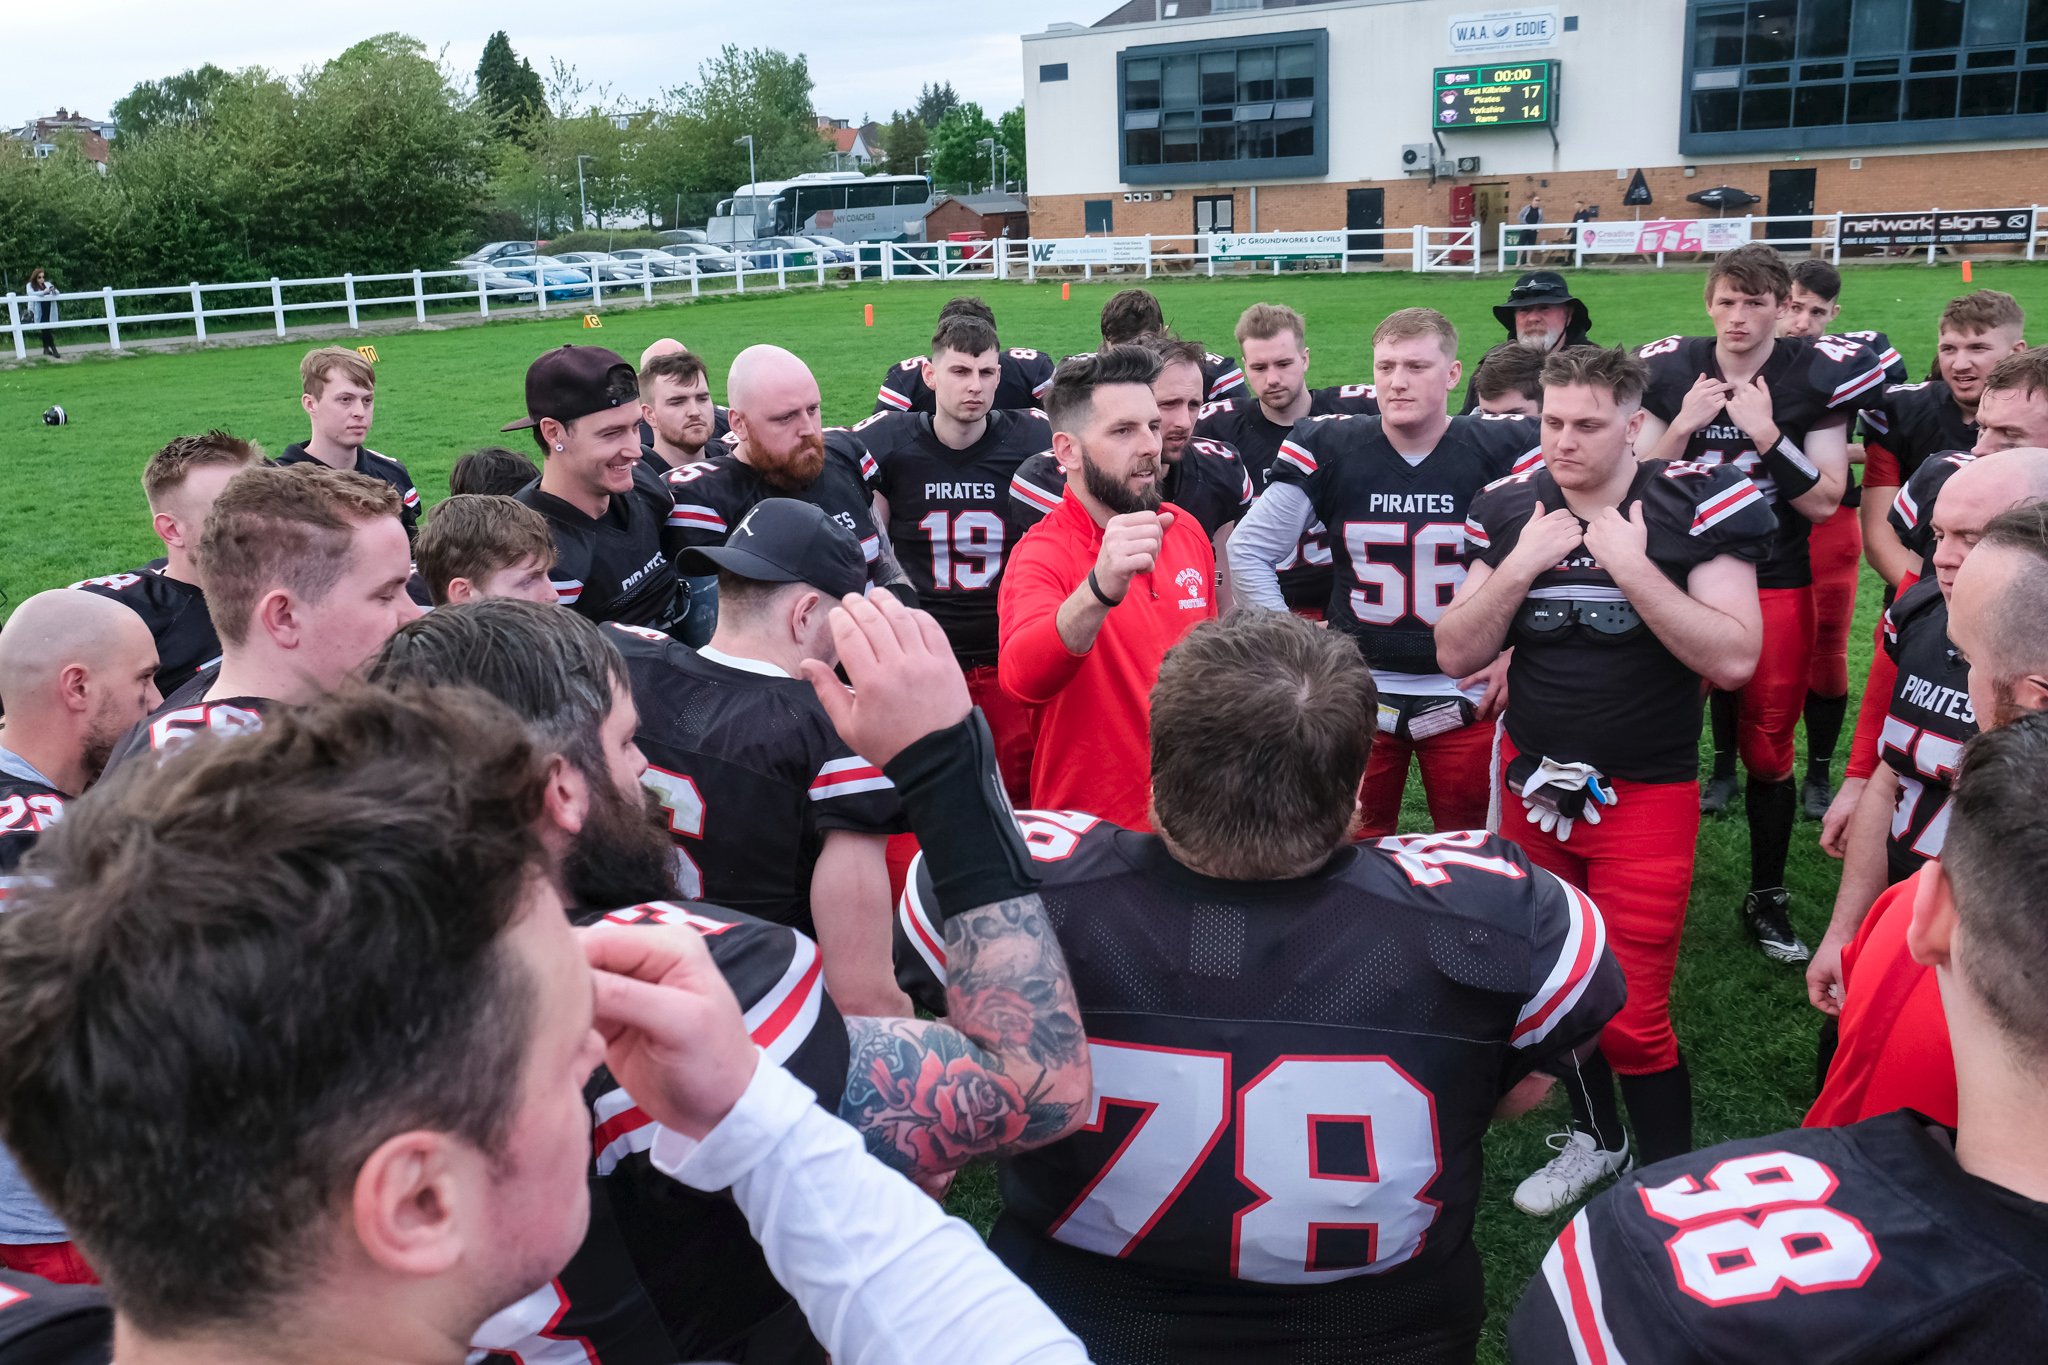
x,y
76,670
61,627
1998,615
665,346
765,379
1976,493
772,401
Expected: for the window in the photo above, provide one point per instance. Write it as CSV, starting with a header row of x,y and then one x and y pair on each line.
x,y
1778,75
1256,105
1052,71
1097,215
868,196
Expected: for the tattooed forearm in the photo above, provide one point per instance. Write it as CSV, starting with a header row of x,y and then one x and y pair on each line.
x,y
1006,1072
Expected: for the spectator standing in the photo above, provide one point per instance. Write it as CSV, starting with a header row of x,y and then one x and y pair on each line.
x,y
44,295
1097,593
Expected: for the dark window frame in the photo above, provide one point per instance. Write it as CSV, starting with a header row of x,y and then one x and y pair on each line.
x,y
1241,168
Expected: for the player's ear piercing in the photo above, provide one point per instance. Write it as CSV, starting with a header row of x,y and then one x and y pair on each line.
x,y
558,445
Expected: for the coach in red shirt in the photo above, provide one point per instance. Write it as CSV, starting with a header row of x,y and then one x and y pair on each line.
x,y
1095,594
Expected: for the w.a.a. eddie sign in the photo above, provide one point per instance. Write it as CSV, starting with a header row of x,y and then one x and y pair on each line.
x,y
1947,227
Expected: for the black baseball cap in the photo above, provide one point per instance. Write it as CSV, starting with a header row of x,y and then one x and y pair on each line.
x,y
574,381
782,540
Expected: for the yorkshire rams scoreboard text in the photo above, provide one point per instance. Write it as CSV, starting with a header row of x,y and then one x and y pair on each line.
x,y
1496,95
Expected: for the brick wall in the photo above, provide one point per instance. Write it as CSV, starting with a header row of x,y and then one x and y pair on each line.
x,y
2002,179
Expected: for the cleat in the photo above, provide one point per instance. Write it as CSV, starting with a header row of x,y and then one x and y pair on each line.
x,y
1764,916
1717,795
1580,1164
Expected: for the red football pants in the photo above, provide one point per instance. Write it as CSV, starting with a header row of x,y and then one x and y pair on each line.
x,y
1769,706
57,1262
1009,720
1456,773
1837,550
1636,864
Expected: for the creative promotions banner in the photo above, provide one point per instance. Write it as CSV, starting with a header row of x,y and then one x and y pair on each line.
x,y
1665,234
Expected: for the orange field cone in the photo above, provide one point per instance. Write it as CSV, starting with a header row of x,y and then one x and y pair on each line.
x,y
867,314
1066,290
1966,272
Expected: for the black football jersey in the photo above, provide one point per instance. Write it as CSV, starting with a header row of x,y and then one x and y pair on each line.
x,y
1222,377
53,1324
1397,530
1292,1079
1909,423
656,1246
721,426
174,611
376,466
1864,1245
1026,375
27,809
1589,684
1912,510
620,566
186,713
1241,424
1208,482
1929,721
713,495
949,514
1808,380
752,774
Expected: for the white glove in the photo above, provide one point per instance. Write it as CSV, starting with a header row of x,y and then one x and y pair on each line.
x,y
1555,822
1550,772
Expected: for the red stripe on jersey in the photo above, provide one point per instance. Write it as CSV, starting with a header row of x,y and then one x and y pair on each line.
x,y
914,919
842,771
1711,511
1589,1331
1586,924
703,521
893,399
618,1125
1867,380
1297,457
792,1004
1226,381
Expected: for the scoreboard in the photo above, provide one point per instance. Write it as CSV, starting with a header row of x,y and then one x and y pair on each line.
x,y
1506,95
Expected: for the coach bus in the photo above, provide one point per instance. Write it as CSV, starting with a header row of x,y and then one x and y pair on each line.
x,y
843,204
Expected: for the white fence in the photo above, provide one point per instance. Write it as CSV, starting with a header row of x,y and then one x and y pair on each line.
x,y
187,310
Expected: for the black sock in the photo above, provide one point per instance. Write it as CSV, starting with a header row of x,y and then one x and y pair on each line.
x,y
1590,1088
1830,1042
1660,1108
1721,712
1823,729
1770,806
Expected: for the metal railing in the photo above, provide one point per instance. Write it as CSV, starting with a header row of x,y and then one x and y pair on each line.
x,y
192,311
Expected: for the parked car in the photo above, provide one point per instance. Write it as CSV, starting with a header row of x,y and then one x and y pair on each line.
x,y
702,258
604,266
660,264
790,251
696,235
561,281
494,251
836,251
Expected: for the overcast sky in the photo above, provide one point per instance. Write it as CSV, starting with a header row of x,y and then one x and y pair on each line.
x,y
866,57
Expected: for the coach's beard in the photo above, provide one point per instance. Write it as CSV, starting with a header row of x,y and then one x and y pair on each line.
x,y
1117,494
795,471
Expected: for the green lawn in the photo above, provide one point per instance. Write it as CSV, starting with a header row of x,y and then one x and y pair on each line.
x,y
76,509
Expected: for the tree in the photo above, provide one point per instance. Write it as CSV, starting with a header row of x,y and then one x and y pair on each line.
x,y
904,140
508,87
1010,133
183,98
957,161
755,92
934,102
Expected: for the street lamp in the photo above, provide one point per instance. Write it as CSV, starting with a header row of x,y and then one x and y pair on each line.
x,y
990,143
1006,168
582,204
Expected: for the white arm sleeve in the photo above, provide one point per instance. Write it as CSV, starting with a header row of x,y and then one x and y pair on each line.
x,y
1263,540
882,1274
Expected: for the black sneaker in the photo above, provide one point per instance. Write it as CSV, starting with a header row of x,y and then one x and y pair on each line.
x,y
1815,796
1716,794
1764,915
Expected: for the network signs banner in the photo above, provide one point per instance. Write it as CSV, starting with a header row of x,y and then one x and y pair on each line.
x,y
1664,234
1949,227
1266,246
1504,30
1091,251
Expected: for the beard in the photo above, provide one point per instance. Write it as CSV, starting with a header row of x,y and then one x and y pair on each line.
x,y
1540,341
623,855
686,436
796,470
1116,494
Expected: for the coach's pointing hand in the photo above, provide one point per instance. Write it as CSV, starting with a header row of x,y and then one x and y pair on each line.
x,y
906,683
1130,546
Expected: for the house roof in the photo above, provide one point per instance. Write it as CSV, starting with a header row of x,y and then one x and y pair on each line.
x,y
987,203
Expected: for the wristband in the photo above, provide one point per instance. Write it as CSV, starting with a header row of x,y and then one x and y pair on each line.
x,y
1100,595
953,793
1790,469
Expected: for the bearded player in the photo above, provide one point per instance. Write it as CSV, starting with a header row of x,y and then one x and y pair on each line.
x,y
1624,587
1778,410
1394,490
1283,1159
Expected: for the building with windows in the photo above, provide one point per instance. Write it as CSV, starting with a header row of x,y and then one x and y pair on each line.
x,y
1186,116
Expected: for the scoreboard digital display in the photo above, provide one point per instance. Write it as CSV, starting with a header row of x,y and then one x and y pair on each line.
x,y
1505,95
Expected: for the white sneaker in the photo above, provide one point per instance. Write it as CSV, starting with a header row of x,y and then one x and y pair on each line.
x,y
1579,1165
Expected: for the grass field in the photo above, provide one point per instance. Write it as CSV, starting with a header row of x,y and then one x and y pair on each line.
x,y
75,509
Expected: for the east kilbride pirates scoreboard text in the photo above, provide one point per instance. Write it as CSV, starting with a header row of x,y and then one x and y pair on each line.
x,y
1496,95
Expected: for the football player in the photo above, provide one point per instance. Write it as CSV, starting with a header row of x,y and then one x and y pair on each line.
x,y
1132,314
1902,813
476,546
1895,1239
942,492
1914,421
491,470
1510,382
1622,585
1024,375
1396,488
304,569
609,513
693,1256
1274,341
1778,410
180,481
676,410
339,392
1282,1161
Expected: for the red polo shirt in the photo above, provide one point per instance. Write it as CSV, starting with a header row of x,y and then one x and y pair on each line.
x,y
1895,1051
1092,751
